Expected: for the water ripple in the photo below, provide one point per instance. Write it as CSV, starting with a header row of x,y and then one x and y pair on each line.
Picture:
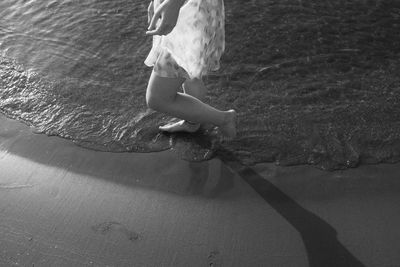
x,y
311,85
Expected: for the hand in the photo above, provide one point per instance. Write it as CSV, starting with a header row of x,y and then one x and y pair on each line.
x,y
168,13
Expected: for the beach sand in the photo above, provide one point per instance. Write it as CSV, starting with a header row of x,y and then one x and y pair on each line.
x,y
63,205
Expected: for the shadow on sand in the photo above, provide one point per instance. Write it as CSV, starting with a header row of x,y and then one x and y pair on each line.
x,y
320,239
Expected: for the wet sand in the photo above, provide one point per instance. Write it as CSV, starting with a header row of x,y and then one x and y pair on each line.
x,y
63,205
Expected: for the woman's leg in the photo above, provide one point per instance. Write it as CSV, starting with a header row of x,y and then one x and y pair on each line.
x,y
196,88
162,95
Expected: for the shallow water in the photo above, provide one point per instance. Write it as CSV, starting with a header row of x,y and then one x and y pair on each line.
x,y
314,82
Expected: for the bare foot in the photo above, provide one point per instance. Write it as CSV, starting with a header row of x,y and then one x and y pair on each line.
x,y
228,129
180,126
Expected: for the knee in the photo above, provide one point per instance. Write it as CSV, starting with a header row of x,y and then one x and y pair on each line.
x,y
153,102
161,92
159,103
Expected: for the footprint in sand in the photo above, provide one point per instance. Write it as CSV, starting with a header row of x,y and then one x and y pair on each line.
x,y
214,259
106,227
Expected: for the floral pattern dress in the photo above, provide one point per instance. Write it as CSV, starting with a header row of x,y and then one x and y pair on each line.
x,y
195,45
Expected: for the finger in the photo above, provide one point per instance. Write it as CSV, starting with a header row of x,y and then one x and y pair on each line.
x,y
157,29
149,17
159,32
153,32
150,12
162,29
153,22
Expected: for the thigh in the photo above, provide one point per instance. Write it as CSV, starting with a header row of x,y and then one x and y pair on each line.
x,y
162,88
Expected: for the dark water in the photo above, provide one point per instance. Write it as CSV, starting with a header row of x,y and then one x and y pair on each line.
x,y
315,82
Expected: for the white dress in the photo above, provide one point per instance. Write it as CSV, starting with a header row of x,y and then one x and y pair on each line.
x,y
195,45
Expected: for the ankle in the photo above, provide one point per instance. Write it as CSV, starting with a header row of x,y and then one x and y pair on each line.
x,y
227,118
191,122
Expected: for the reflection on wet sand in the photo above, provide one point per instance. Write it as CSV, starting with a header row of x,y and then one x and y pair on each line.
x,y
201,173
